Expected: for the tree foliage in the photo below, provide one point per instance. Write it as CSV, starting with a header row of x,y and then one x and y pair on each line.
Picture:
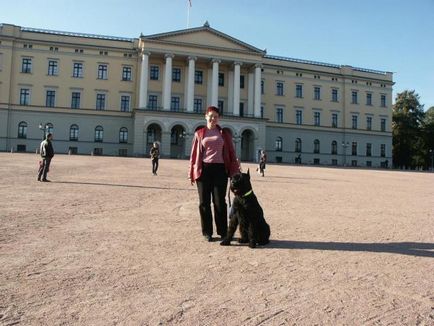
x,y
412,131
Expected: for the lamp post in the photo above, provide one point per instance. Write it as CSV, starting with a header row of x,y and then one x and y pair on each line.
x,y
43,129
344,146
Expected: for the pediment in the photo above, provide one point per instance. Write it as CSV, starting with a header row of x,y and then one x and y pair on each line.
x,y
204,37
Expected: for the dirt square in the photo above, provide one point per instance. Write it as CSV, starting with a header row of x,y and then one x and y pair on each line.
x,y
108,243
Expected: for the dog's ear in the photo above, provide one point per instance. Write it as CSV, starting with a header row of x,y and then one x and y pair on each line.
x,y
248,172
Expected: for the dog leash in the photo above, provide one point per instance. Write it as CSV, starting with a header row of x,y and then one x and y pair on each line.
x,y
229,194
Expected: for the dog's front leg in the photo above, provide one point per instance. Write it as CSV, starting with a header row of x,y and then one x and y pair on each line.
x,y
233,224
252,235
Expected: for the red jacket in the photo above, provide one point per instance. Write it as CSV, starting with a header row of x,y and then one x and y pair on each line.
x,y
230,158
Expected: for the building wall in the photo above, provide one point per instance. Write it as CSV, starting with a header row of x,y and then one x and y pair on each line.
x,y
204,44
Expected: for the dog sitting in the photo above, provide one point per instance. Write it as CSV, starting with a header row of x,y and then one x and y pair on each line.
x,y
247,213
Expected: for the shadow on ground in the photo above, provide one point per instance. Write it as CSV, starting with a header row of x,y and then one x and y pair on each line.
x,y
419,249
120,185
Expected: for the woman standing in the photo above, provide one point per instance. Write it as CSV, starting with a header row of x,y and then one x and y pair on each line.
x,y
212,161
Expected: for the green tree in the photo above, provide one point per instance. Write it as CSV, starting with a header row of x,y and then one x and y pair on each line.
x,y
408,140
428,133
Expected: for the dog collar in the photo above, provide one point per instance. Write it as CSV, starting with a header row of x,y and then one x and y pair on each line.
x,y
248,193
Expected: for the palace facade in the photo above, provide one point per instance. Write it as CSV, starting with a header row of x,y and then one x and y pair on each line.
x,y
105,95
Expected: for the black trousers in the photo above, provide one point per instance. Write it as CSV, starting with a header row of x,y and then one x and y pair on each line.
x,y
154,165
212,184
43,169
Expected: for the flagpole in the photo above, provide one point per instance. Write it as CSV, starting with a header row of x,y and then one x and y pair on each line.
x,y
188,15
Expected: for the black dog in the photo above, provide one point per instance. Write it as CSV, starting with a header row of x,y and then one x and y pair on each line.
x,y
247,213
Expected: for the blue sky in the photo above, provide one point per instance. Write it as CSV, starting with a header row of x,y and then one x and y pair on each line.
x,y
388,35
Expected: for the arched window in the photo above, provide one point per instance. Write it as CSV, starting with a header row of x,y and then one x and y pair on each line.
x,y
73,133
334,147
99,133
298,145
22,129
278,144
123,135
316,146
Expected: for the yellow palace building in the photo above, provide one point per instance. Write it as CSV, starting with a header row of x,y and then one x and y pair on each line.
x,y
106,95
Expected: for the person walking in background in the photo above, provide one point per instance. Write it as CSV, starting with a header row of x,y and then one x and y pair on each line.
x,y
155,156
262,161
47,152
212,161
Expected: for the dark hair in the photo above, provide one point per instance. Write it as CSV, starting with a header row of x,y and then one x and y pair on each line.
x,y
49,135
213,108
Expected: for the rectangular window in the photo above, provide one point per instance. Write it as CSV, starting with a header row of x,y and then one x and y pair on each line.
x,y
354,97
354,148
334,95
75,100
279,115
176,75
383,150
368,149
383,124
102,71
198,77
152,102
126,73
197,108
100,101
242,81
50,99
279,88
317,93
77,70
241,109
334,120
368,99
154,73
262,86
26,66
299,117
368,123
220,105
262,112
97,150
354,122
174,104
24,96
383,101
52,68
125,103
221,79
317,118
299,91
368,163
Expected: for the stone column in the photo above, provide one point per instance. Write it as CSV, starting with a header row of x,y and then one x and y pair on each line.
x,y
215,82
257,105
165,144
236,103
143,86
230,104
250,94
187,145
190,84
139,134
237,143
167,82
